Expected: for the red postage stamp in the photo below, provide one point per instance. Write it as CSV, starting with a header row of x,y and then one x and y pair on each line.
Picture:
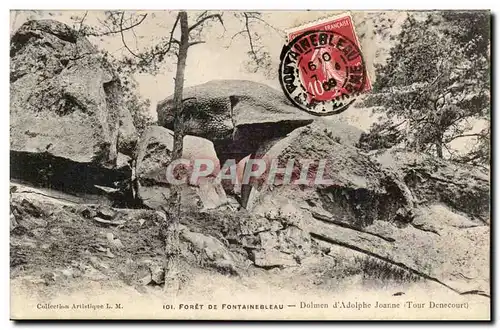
x,y
322,68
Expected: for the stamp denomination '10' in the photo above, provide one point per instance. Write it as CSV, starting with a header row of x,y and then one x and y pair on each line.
x,y
322,68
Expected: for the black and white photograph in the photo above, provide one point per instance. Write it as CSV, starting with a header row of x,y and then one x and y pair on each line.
x,y
250,164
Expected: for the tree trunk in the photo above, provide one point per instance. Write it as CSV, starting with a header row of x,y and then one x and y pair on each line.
x,y
439,145
439,149
172,280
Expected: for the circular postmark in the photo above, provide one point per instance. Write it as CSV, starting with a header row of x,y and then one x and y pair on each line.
x,y
322,72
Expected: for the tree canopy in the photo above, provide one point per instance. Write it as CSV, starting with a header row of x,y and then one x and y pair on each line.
x,y
435,86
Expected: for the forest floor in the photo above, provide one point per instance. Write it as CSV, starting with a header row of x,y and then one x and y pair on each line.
x,y
68,253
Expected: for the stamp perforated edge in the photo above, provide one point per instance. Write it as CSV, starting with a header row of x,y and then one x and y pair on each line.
x,y
316,22
327,19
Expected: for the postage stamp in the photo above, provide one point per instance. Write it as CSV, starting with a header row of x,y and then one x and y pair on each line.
x,y
322,68
158,170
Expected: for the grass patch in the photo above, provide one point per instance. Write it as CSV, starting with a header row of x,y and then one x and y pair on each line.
x,y
374,269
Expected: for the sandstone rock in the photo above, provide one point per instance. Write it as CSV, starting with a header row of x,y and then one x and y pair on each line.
x,y
123,160
462,187
439,217
155,147
115,242
65,98
273,258
93,274
428,254
258,224
49,278
320,213
157,273
68,120
358,191
88,213
118,243
211,194
236,115
399,211
154,155
213,252
69,272
110,237
29,213
109,254
268,240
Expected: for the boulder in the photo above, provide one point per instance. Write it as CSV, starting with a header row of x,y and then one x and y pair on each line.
x,y
154,155
209,251
342,133
236,115
272,258
69,127
66,100
374,208
462,187
351,186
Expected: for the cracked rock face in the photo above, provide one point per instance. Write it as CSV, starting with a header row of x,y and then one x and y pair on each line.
x,y
359,190
464,188
236,115
65,98
376,212
154,156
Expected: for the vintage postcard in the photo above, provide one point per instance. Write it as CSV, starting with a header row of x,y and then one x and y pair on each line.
x,y
250,165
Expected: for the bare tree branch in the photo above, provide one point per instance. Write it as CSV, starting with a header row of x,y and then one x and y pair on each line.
x,y
196,43
463,135
204,19
163,52
256,15
123,37
252,49
81,21
122,29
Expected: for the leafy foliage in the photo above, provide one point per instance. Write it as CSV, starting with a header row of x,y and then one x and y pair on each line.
x,y
435,85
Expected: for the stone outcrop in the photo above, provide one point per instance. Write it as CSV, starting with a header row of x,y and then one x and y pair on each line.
x,y
65,98
396,211
401,213
358,191
67,110
55,239
464,188
236,115
154,156
209,251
